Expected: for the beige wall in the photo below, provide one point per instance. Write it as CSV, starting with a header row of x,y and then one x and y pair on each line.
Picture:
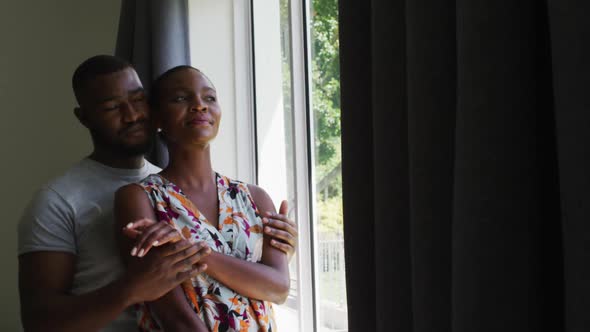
x,y
41,43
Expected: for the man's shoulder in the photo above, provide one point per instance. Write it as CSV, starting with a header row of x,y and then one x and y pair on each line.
x,y
70,182
152,169
87,178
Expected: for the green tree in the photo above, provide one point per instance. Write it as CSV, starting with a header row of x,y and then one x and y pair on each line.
x,y
326,84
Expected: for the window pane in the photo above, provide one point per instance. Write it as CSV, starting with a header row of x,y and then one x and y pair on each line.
x,y
274,127
325,88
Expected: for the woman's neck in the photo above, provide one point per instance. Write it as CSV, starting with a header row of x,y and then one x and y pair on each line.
x,y
190,167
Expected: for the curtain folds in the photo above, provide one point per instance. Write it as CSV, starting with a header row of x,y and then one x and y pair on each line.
x,y
153,36
465,164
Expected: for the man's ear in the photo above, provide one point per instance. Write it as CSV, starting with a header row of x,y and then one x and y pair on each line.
x,y
81,116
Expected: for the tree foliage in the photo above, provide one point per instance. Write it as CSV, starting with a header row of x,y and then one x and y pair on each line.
x,y
326,84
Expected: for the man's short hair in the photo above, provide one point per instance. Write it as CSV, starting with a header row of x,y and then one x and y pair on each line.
x,y
95,66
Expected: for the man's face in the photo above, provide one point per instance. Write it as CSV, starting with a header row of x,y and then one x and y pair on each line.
x,y
114,108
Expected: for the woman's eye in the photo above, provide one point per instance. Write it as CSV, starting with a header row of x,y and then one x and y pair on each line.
x,y
179,98
210,98
139,99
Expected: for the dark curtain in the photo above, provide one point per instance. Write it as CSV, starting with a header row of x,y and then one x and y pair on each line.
x,y
465,135
153,36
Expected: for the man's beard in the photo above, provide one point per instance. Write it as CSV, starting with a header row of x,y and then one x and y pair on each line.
x,y
120,148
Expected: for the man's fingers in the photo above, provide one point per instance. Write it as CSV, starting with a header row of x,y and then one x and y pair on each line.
x,y
193,259
191,250
173,248
195,271
286,248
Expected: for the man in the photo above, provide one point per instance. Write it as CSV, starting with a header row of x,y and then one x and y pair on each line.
x,y
70,274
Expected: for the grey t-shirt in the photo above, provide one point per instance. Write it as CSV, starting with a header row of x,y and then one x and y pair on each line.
x,y
74,214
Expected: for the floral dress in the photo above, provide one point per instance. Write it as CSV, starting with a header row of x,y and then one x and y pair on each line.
x,y
239,234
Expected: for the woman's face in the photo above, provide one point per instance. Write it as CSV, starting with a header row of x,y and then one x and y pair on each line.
x,y
188,112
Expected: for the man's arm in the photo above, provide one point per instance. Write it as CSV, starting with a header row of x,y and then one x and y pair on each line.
x,y
47,263
44,281
172,309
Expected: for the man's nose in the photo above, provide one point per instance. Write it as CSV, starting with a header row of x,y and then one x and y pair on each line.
x,y
129,113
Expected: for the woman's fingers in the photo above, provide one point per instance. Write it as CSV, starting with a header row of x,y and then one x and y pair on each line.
x,y
173,236
284,209
281,217
284,247
278,234
160,229
282,229
140,224
285,230
133,229
131,233
158,238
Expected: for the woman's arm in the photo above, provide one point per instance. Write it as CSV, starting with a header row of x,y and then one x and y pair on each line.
x,y
268,281
172,309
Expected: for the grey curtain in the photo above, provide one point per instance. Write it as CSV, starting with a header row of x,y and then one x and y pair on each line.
x,y
466,164
153,36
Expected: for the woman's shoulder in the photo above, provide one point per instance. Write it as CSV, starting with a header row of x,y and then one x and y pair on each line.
x,y
148,184
233,184
151,180
255,193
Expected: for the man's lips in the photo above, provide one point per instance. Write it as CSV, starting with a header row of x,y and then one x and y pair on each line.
x,y
134,129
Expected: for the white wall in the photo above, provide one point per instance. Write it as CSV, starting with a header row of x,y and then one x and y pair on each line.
x,y
219,32
42,43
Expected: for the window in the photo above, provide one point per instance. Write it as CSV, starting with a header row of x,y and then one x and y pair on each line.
x,y
277,61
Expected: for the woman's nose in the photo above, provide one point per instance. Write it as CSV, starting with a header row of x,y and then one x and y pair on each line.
x,y
198,106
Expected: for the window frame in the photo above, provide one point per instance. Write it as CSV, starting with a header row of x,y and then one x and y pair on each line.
x,y
304,158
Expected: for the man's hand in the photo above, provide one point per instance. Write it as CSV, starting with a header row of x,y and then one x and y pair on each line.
x,y
282,229
164,269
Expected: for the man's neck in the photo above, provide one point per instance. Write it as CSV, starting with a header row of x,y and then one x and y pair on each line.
x,y
115,160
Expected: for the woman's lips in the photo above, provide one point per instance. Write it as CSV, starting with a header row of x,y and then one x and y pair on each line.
x,y
199,122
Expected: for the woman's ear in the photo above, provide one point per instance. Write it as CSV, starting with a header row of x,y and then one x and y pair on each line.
x,y
156,123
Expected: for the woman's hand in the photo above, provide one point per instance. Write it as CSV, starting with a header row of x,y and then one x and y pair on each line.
x,y
282,230
149,233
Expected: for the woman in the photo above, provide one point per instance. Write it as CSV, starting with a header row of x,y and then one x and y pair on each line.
x,y
244,271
